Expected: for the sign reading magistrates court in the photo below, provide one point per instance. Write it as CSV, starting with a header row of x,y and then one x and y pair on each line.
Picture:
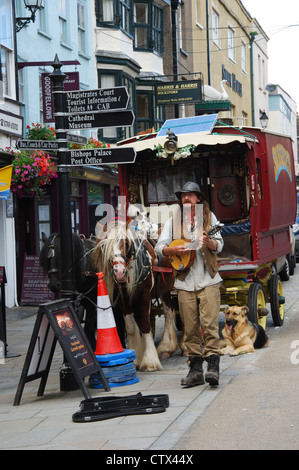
x,y
178,92
102,99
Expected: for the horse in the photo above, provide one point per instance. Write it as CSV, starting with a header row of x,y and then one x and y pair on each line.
x,y
133,280
84,276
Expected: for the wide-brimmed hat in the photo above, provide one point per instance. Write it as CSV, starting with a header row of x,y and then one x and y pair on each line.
x,y
190,187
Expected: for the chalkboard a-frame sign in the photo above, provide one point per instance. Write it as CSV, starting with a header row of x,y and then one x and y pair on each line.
x,y
57,320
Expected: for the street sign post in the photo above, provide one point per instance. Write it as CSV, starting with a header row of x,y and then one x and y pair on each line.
x,y
100,120
102,99
103,156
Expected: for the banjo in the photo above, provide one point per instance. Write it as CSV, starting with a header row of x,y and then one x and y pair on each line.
x,y
184,261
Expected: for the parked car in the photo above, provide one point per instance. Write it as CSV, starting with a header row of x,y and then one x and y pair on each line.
x,y
296,230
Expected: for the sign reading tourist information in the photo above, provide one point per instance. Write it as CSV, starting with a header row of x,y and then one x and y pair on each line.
x,y
103,99
100,120
103,156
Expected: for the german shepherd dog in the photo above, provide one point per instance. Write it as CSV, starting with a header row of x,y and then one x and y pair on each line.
x,y
240,335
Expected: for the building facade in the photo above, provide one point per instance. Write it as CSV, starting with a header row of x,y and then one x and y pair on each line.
x,y
11,128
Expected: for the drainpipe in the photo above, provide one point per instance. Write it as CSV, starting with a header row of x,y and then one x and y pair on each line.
x,y
252,38
208,42
175,64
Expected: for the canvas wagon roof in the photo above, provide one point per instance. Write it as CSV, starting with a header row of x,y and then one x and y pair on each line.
x,y
149,141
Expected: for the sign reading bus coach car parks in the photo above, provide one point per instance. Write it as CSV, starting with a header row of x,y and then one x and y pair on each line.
x,y
48,144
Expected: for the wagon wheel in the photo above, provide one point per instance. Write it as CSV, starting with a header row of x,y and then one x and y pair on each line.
x,y
257,305
276,300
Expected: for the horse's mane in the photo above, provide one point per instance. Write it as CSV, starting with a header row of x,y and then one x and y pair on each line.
x,y
108,247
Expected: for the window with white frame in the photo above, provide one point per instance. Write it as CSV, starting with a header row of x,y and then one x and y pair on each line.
x,y
243,56
141,20
6,58
62,8
198,3
231,44
244,119
125,15
106,10
41,18
215,27
21,85
108,81
81,26
157,28
182,27
6,47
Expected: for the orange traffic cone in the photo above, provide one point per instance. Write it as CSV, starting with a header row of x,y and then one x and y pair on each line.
x,y
108,341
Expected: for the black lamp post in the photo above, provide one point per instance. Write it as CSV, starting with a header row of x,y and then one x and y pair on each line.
x,y
32,6
67,379
264,120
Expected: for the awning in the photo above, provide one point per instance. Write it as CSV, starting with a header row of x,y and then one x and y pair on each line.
x,y
5,180
145,143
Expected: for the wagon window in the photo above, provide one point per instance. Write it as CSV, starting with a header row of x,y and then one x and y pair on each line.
x,y
259,179
164,179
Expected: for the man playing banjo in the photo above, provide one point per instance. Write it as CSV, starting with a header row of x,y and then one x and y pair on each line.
x,y
198,283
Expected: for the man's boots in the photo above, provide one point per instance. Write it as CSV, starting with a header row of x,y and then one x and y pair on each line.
x,y
212,374
195,375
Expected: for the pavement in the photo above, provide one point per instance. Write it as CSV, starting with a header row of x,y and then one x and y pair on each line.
x,y
45,423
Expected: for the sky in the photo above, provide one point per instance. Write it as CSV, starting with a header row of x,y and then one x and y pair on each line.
x,y
280,21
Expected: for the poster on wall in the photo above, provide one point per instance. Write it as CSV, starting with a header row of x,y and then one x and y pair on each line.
x,y
35,289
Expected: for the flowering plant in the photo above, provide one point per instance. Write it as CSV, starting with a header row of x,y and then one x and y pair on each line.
x,y
31,173
40,132
91,144
182,152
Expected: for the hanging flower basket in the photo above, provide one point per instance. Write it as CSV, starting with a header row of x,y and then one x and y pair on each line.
x,y
40,132
91,144
182,152
31,173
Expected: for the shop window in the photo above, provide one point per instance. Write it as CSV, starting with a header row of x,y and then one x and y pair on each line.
x,y
148,26
148,115
63,20
44,219
75,216
115,14
96,197
106,79
81,26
